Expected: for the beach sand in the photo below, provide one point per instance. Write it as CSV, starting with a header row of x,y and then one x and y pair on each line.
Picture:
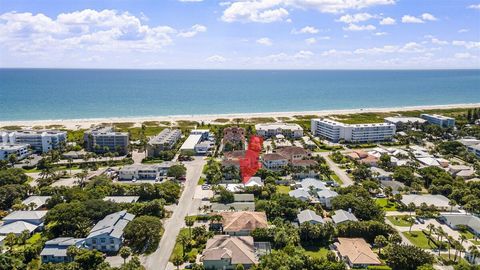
x,y
74,124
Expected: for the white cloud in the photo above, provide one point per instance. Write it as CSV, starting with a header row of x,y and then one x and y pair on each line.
x,y
193,31
380,33
411,19
311,41
355,27
216,59
355,18
88,30
465,55
467,44
264,41
410,47
428,17
264,11
463,30
477,6
190,0
387,21
333,52
267,11
306,30
303,55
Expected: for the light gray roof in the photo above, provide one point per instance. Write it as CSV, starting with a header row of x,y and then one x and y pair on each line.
x,y
299,193
17,227
463,219
26,215
309,215
238,206
38,200
327,193
58,247
436,200
342,216
312,182
112,225
243,197
122,199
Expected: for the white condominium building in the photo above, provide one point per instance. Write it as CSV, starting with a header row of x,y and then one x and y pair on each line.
x,y
39,140
336,131
273,129
105,139
19,150
165,140
439,120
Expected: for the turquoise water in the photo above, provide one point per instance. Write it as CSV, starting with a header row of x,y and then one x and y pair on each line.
x,y
37,94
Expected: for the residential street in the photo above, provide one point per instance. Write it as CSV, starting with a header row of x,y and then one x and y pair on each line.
x,y
339,172
159,259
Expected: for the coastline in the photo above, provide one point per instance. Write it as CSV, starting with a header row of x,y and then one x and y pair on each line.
x,y
210,118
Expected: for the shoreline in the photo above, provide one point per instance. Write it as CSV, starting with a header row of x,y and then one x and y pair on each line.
x,y
210,118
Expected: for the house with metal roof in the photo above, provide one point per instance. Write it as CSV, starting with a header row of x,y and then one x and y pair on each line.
x,y
312,183
36,201
122,199
300,194
32,217
107,234
342,216
309,216
325,197
55,250
454,221
17,228
439,201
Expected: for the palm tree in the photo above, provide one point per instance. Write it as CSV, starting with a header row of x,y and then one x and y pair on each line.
x,y
430,228
380,241
183,239
452,203
189,221
82,176
125,252
474,253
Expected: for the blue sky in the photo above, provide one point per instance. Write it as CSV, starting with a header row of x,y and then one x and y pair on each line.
x,y
240,34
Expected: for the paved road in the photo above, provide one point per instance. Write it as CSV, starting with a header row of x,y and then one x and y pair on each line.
x,y
339,172
159,259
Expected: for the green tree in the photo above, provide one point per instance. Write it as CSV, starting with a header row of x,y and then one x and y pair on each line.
x,y
177,171
125,252
143,233
406,257
380,242
177,261
189,221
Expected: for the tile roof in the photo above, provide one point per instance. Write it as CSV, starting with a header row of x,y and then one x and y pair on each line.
x,y
273,156
240,249
243,221
292,150
357,251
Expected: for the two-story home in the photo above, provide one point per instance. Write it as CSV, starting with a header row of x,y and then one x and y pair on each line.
x,y
107,234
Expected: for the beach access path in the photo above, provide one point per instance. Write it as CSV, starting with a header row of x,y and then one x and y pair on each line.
x,y
159,259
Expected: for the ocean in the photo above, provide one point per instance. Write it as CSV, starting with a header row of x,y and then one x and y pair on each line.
x,y
44,94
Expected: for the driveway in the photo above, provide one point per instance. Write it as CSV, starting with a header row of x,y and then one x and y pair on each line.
x,y
337,170
159,259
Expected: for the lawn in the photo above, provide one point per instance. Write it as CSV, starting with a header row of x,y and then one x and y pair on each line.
x,y
467,234
336,179
316,251
283,189
419,239
386,204
399,221
178,246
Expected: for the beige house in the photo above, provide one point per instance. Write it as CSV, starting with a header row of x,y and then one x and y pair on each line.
x,y
356,252
226,252
293,153
242,223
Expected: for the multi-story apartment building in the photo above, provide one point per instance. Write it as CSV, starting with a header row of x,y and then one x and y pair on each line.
x,y
335,131
285,129
144,172
475,149
19,150
107,234
40,141
233,135
439,120
165,140
105,139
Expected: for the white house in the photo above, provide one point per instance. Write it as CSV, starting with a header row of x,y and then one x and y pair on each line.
x,y
107,234
325,197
